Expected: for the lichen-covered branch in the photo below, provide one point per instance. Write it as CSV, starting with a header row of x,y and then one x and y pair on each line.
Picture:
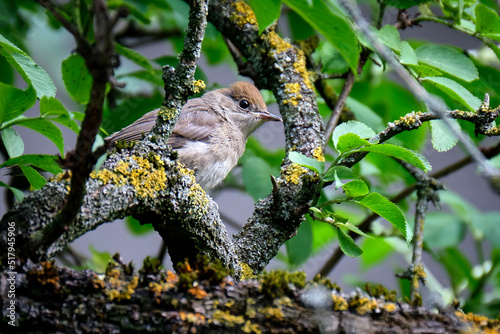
x,y
281,68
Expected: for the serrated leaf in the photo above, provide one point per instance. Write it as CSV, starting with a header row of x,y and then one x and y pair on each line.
x,y
311,163
355,188
34,178
442,137
14,102
347,244
355,229
350,141
13,142
42,161
401,153
388,210
18,194
46,128
255,174
389,36
425,71
33,74
487,22
330,58
342,172
301,30
52,106
338,183
362,130
266,12
448,60
333,26
455,91
134,56
408,55
77,78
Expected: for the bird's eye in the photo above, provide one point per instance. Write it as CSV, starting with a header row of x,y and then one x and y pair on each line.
x,y
244,104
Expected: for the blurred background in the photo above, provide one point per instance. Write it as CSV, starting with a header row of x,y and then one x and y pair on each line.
x,y
49,46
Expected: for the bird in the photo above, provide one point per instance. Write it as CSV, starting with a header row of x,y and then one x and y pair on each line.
x,y
211,132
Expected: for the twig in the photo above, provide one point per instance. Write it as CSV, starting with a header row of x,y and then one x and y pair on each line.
x,y
334,118
98,60
491,173
365,224
427,190
244,68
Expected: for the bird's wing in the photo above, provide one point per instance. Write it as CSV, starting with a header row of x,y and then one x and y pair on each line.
x,y
196,123
135,131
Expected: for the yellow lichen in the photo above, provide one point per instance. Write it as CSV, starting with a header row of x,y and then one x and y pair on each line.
x,y
147,177
389,307
246,271
277,43
227,319
318,154
479,323
339,303
167,113
198,197
198,86
121,289
192,318
300,66
293,172
271,312
293,89
243,14
248,327
363,305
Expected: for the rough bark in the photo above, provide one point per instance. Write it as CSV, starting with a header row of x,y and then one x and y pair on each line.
x,y
51,299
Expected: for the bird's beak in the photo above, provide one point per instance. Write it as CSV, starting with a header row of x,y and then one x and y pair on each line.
x,y
267,116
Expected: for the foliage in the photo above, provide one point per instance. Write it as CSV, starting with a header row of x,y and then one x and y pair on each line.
x,y
345,195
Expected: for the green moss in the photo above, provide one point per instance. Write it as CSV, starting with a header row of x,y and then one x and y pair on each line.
x,y
201,269
378,290
278,283
318,279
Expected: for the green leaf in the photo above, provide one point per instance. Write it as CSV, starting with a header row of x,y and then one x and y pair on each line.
x,y
377,250
133,10
301,30
330,58
347,244
424,71
405,4
332,26
52,106
488,224
18,194
13,142
400,153
388,210
77,78
455,91
46,128
99,260
355,188
443,230
350,141
342,172
7,76
34,178
134,56
135,227
266,12
299,248
365,114
448,60
322,233
33,74
487,22
442,138
311,163
42,161
354,229
389,36
255,174
408,55
14,102
362,130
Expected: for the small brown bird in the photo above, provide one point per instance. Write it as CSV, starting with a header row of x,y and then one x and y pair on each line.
x,y
212,130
